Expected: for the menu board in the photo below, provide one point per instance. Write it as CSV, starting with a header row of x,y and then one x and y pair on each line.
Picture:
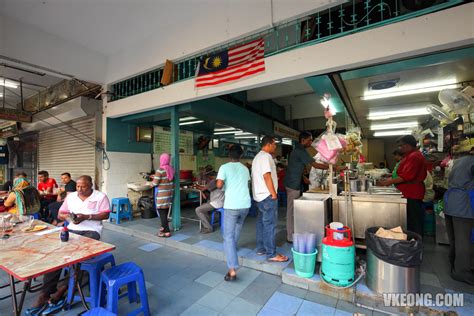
x,y
162,141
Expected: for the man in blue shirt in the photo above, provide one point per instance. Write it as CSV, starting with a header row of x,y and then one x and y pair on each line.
x,y
299,158
234,178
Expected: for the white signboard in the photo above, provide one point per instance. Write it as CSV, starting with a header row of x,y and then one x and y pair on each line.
x,y
162,141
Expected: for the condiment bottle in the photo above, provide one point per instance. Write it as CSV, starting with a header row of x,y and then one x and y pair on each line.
x,y
64,234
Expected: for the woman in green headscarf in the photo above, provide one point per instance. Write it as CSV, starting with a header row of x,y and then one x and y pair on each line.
x,y
15,201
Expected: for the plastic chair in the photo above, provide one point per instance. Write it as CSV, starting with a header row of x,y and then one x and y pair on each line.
x,y
98,311
121,208
94,267
113,279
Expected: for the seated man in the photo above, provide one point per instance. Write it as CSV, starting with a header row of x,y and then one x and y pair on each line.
x,y
88,208
216,200
69,186
46,186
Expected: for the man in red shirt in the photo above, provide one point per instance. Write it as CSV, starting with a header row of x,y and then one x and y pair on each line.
x,y
411,174
46,184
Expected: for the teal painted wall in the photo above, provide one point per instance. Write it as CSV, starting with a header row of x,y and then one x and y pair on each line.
x,y
121,137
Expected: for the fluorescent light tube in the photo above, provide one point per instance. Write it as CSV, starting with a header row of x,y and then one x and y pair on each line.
x,y
246,137
411,89
224,129
383,115
8,84
393,133
242,134
377,127
224,133
187,118
192,122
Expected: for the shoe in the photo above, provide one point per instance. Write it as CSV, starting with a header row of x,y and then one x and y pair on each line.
x,y
278,258
35,311
53,308
206,231
229,277
261,252
289,241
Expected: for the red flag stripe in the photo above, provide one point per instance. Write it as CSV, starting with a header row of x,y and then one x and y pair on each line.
x,y
233,52
253,50
228,69
239,49
230,76
241,75
246,58
229,73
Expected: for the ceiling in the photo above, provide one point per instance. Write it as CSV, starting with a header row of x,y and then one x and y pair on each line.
x,y
457,71
32,84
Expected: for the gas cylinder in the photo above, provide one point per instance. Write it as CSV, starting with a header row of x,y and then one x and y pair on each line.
x,y
338,256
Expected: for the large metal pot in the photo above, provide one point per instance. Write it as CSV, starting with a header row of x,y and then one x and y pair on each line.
x,y
383,277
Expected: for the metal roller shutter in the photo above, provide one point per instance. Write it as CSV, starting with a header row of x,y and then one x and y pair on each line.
x,y
64,149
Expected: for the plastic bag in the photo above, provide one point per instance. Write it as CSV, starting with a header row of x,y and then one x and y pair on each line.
x,y
402,253
328,146
146,206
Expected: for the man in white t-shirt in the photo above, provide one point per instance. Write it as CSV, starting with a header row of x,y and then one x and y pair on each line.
x,y
88,208
264,190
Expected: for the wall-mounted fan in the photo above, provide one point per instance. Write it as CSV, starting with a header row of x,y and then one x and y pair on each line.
x,y
440,114
458,102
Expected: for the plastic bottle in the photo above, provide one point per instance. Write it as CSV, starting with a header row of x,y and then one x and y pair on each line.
x,y
64,234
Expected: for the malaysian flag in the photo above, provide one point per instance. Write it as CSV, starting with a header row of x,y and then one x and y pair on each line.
x,y
232,64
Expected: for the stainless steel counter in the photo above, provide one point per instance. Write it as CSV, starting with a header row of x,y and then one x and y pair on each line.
x,y
311,216
370,210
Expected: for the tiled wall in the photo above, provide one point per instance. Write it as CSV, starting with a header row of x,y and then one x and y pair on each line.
x,y
124,167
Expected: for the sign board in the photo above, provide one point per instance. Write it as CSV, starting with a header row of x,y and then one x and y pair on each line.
x,y
15,115
285,131
162,141
8,129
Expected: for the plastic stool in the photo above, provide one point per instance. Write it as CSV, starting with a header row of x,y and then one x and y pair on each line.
x,y
113,279
94,267
121,208
221,216
99,311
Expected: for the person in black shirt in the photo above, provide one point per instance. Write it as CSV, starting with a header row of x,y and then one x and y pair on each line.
x,y
69,186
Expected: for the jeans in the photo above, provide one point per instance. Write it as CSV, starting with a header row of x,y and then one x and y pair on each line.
x,y
461,249
267,220
233,222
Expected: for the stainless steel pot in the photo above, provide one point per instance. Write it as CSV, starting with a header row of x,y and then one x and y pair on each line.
x,y
355,185
383,277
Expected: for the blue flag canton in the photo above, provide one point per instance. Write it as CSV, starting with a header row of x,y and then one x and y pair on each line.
x,y
213,63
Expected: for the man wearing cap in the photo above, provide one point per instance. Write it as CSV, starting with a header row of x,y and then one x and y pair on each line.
x,y
411,174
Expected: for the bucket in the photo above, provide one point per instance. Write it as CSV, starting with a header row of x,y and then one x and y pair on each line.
x,y
304,263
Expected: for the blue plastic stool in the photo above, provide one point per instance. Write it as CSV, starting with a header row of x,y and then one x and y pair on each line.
x,y
113,279
221,217
99,311
121,208
94,267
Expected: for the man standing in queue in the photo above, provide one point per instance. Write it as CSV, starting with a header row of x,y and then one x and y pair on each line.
x,y
299,158
411,173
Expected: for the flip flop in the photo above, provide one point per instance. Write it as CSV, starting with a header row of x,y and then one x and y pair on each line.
x,y
278,258
164,235
229,277
35,311
53,308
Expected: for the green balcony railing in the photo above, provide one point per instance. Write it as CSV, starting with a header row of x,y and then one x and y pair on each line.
x,y
344,19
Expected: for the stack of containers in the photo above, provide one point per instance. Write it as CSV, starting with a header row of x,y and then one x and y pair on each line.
x,y
304,254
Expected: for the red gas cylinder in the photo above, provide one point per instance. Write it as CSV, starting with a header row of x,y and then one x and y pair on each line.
x,y
338,237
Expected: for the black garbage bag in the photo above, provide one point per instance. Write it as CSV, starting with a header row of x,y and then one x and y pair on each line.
x,y
146,206
403,253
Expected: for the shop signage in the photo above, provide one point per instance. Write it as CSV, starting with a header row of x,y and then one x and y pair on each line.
x,y
8,129
285,131
15,115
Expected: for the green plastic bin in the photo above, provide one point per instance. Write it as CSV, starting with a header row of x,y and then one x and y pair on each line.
x,y
304,263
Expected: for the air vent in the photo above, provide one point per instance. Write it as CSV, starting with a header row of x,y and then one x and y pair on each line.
x,y
382,85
